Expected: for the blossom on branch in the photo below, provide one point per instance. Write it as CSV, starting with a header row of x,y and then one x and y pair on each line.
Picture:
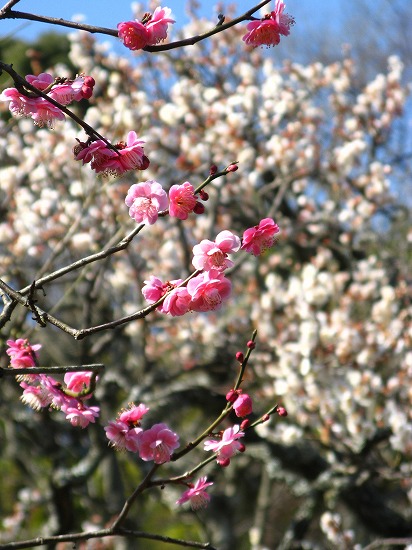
x,y
145,200
157,443
182,200
22,353
196,494
124,432
267,31
208,291
213,255
261,237
227,446
135,35
108,161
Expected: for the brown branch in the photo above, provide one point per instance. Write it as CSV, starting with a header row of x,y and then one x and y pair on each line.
x,y
7,13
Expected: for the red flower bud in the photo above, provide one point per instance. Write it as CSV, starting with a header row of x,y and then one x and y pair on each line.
x,y
245,424
87,91
282,411
199,208
251,344
243,405
213,169
89,81
239,356
231,396
232,168
265,418
203,195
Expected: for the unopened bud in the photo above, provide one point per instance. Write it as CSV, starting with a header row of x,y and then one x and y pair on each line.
x,y
87,91
245,424
282,411
232,168
203,195
224,463
213,169
265,418
239,356
199,208
241,448
89,81
251,344
231,396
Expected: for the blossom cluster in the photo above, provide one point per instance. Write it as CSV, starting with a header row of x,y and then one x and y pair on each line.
x,y
135,35
41,390
208,290
267,31
44,113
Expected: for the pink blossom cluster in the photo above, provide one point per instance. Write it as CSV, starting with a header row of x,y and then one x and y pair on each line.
x,y
267,31
124,156
227,445
41,390
147,198
205,292
135,35
39,109
156,443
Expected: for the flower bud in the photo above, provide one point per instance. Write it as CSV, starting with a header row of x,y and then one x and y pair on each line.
x,y
231,396
213,169
251,344
243,405
239,356
282,411
232,168
245,424
199,208
203,195
265,418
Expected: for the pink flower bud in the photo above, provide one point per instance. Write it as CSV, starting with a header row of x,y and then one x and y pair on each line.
x,y
203,195
232,168
243,405
87,91
282,411
251,344
239,356
265,418
231,396
89,81
213,169
224,463
241,448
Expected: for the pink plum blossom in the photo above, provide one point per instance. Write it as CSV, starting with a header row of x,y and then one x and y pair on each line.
x,y
133,414
157,25
40,81
267,31
208,290
122,436
177,302
46,114
182,200
243,405
20,105
36,397
81,415
157,443
126,156
213,255
77,381
261,237
22,353
227,446
135,35
196,494
145,200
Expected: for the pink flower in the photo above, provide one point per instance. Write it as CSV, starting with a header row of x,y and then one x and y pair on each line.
x,y
267,31
35,397
196,494
158,444
157,25
261,237
22,353
182,200
133,34
41,81
227,446
122,436
133,414
127,156
145,200
78,381
81,415
177,302
46,114
19,105
243,405
208,290
213,255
